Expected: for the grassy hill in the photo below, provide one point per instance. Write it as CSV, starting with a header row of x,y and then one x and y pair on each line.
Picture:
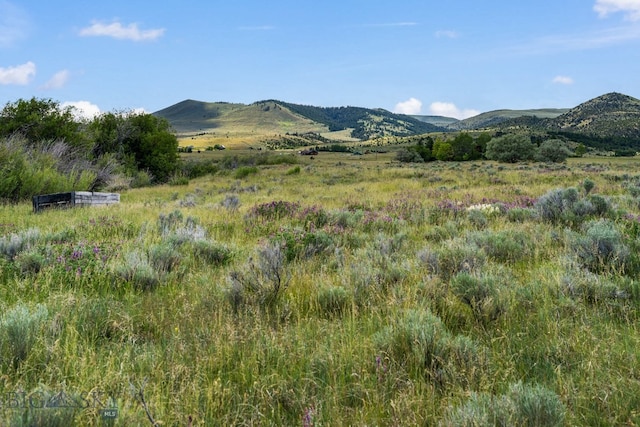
x,y
610,122
497,117
272,117
612,114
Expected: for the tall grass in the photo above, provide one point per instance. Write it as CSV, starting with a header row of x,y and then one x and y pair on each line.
x,y
356,292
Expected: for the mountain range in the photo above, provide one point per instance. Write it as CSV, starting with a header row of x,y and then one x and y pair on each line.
x,y
612,116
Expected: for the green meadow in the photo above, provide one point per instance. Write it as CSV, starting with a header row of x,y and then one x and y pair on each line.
x,y
343,290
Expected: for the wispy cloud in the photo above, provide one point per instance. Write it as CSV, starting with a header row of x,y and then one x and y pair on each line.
x,y
121,32
630,8
58,80
410,106
14,24
562,80
577,42
449,34
449,109
18,75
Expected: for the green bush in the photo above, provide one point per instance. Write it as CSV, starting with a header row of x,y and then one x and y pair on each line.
x,y
602,248
245,171
30,262
294,171
20,328
262,281
510,148
522,214
553,150
482,294
566,206
164,257
506,246
453,257
419,342
477,218
137,270
210,252
13,244
523,405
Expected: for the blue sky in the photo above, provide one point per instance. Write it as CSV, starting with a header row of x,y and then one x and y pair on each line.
x,y
455,58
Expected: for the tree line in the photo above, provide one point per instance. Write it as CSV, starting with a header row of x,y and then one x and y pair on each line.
x,y
509,148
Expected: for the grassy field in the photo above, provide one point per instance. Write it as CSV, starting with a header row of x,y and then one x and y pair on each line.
x,y
344,290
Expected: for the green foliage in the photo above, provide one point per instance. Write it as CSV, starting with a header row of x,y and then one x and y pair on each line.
x,y
139,141
507,246
510,148
443,150
588,185
13,244
245,171
41,121
553,150
212,253
294,171
464,147
419,342
262,282
333,301
569,207
602,248
164,257
25,171
481,293
137,270
407,155
453,257
523,405
20,328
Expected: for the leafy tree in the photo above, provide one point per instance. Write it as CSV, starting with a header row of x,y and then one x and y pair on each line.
x,y
409,155
462,147
139,141
510,148
553,150
481,143
42,120
442,150
580,150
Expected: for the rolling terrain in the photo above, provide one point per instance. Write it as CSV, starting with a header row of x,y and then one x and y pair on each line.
x,y
608,122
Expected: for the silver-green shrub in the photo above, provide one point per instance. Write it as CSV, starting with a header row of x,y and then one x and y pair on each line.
x,y
20,328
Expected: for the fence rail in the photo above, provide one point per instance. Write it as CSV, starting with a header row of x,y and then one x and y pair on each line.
x,y
73,198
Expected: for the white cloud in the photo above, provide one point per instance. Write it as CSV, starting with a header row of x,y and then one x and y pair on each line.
x,y
117,31
410,106
14,24
449,109
563,80
82,109
18,75
631,8
449,34
58,80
